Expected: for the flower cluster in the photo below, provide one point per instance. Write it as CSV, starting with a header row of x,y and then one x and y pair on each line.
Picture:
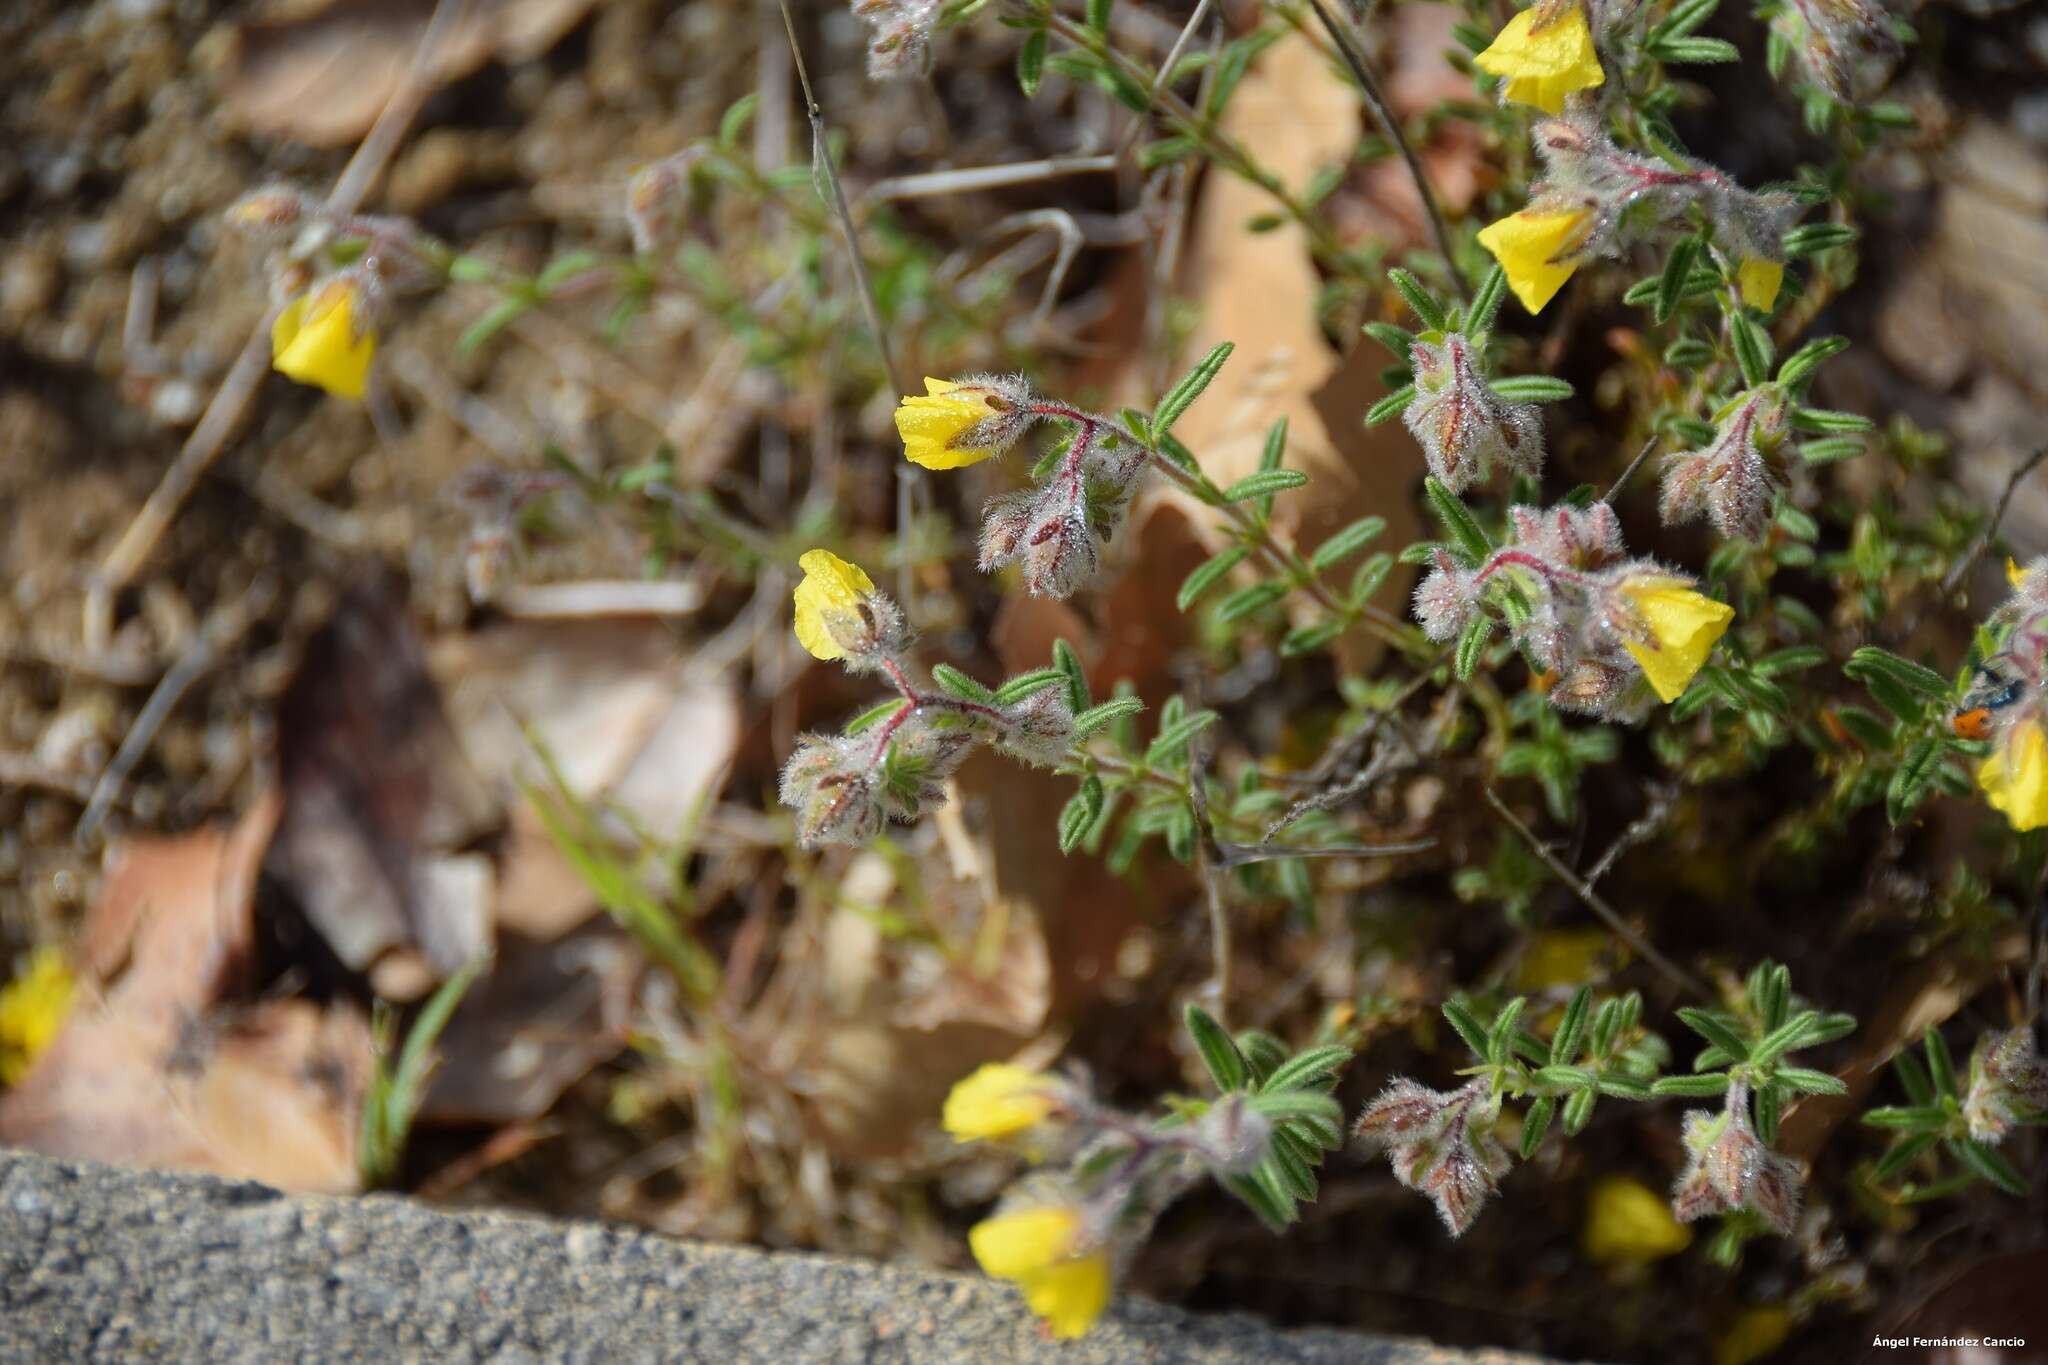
x,y
1061,1235
845,787
1729,482
1463,426
1440,1145
2008,1086
1728,1167
1594,195
1608,628
1057,529
2009,704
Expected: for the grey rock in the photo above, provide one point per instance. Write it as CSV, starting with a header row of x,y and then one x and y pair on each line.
x,y
103,1264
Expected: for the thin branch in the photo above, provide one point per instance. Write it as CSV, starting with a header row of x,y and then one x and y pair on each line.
x,y
835,195
1616,925
1376,100
1214,864
1630,472
1641,828
1990,532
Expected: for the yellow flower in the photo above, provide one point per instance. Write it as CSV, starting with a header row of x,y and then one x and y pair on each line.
x,y
1627,1221
998,1100
33,1007
1561,957
930,425
1759,279
2014,776
1683,627
318,340
1543,57
1754,1334
831,587
2014,574
1528,244
1034,1247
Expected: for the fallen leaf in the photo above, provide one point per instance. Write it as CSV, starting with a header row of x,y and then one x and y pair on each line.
x,y
153,1069
323,73
546,1014
625,721
379,798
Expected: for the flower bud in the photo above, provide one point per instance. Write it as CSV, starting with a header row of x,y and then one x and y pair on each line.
x,y
1463,426
1729,1168
839,615
1440,1145
831,785
958,424
2008,1085
1039,729
1730,481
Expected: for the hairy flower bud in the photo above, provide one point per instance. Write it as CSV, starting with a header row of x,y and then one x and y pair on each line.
x,y
1730,481
1231,1136
1847,47
2008,1085
1463,426
1728,1168
899,35
1445,600
1039,729
658,200
830,784
1440,1145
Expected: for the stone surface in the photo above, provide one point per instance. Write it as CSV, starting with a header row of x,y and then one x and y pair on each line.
x,y
105,1264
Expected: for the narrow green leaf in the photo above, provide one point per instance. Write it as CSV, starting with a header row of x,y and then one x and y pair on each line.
x,y
955,683
1226,1064
1421,301
1182,396
1263,483
1716,1030
1208,574
1464,530
1095,717
1390,407
1987,1165
1347,542
1028,685
874,715
1532,388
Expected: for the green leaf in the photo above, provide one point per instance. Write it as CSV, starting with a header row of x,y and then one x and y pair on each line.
x,y
1908,787
1182,396
1825,421
1467,1026
1752,348
1309,1068
1694,50
1818,237
1263,1053
1917,1116
1347,542
1171,745
1709,1086
1028,685
1095,717
1299,1103
1671,280
1571,1030
1500,1038
1536,1123
1248,600
1808,358
1421,301
1811,1082
736,118
1068,662
874,715
1208,573
1578,1111
1464,530
1078,816
1941,1068
1399,340
1098,15
500,316
1869,661
955,683
1365,583
1390,407
1263,483
564,268
1987,1165
1486,300
1829,449
1031,63
1272,1210
1227,1066
1307,639
1904,1154
1716,1030
1471,645
1532,388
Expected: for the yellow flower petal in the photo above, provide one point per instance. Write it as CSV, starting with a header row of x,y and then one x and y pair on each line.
x,y
1627,1221
1527,245
1069,1296
1544,62
830,585
1683,627
1561,957
1011,1246
33,1008
2014,574
2014,776
1759,279
316,341
1754,1334
930,425
997,1101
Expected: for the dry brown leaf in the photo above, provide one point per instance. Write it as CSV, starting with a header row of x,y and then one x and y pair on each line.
x,y
1259,291
322,73
151,1069
379,799
620,714
546,1014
